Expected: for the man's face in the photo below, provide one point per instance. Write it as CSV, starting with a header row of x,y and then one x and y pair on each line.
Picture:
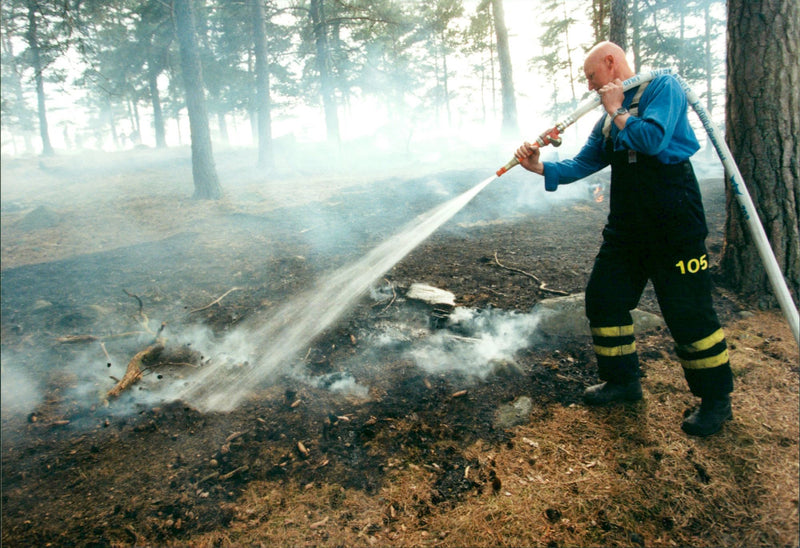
x,y
598,72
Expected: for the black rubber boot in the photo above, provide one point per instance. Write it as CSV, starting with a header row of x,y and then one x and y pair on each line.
x,y
610,392
709,417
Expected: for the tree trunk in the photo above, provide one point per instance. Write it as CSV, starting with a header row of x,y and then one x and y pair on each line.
x,y
112,122
158,115
14,82
263,103
762,121
598,19
618,23
326,85
206,183
36,63
709,61
445,83
568,49
636,19
222,123
510,127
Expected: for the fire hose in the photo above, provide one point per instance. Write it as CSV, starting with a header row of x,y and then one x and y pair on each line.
x,y
553,137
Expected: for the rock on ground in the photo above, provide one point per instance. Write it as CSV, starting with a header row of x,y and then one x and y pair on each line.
x,y
566,317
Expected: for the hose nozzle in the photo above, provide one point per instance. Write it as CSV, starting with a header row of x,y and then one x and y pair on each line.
x,y
511,163
549,137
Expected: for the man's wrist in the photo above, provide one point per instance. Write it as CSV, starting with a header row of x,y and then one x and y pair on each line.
x,y
621,111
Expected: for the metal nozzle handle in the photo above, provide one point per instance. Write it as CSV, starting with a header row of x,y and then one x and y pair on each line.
x,y
549,137
511,163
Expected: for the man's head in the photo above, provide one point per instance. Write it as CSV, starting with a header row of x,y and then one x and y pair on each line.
x,y
605,62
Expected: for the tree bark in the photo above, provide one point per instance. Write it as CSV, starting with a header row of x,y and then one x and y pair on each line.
x,y
636,23
158,115
510,126
263,105
598,19
618,23
154,69
36,63
325,82
206,183
763,133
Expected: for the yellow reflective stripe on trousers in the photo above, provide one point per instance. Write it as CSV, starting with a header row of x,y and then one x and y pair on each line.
x,y
704,344
614,331
707,363
623,350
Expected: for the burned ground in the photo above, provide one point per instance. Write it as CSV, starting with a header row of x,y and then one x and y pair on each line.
x,y
76,471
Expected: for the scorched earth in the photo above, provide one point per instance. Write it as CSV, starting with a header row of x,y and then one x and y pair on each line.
x,y
384,429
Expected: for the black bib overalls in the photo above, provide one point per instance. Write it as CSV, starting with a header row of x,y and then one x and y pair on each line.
x,y
656,230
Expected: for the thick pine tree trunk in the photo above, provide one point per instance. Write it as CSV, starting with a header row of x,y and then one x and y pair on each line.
x,y
206,183
763,133
510,126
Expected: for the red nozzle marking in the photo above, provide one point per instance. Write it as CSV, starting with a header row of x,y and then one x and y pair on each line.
x,y
501,171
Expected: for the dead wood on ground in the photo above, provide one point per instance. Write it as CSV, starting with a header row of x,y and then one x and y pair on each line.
x,y
215,301
542,285
136,366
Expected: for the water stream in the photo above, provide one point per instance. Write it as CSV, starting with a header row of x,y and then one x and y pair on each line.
x,y
249,356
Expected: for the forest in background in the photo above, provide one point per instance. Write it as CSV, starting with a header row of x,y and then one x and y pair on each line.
x,y
107,75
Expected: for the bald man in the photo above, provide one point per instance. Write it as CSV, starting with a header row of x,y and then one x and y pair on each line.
x,y
656,231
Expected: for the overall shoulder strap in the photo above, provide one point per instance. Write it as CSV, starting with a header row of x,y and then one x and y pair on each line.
x,y
633,109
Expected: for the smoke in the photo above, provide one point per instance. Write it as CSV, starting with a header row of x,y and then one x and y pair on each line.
x,y
342,383
21,393
354,219
278,339
475,342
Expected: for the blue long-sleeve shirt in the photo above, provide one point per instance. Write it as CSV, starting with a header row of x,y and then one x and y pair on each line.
x,y
662,131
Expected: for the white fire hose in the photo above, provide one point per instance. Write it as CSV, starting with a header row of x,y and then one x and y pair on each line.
x,y
734,177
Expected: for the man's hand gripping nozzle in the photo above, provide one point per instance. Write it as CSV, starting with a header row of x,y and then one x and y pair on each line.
x,y
549,137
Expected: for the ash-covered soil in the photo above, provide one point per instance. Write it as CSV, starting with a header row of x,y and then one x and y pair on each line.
x,y
79,471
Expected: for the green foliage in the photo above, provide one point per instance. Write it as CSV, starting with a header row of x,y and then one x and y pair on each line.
x,y
667,33
400,52
673,34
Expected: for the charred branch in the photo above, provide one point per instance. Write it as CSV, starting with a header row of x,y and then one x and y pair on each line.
x,y
542,286
136,368
138,364
215,301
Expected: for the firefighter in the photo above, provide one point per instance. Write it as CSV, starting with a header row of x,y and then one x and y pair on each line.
x,y
656,231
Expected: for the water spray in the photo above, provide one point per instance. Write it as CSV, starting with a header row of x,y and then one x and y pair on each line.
x,y
258,352
734,178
